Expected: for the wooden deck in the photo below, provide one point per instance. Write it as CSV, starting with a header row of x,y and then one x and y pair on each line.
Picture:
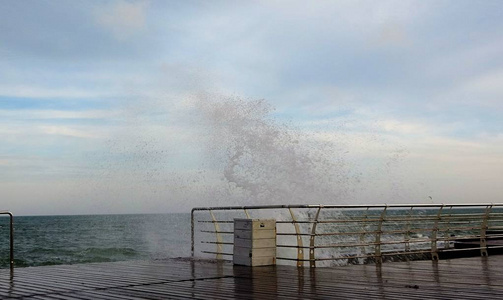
x,y
465,278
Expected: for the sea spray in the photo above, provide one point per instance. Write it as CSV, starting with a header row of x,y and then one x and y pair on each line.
x,y
218,150
263,161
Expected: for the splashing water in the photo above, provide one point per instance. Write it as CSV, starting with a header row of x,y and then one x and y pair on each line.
x,y
213,150
264,162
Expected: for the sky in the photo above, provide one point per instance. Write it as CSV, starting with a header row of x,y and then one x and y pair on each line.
x,y
161,106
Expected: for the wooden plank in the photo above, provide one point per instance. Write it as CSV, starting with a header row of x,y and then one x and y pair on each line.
x,y
464,278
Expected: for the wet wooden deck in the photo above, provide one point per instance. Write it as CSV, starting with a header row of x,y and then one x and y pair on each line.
x,y
465,278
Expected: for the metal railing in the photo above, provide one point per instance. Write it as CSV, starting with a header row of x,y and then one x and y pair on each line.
x,y
11,238
358,233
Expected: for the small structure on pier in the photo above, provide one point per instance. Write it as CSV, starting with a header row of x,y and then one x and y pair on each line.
x,y
254,242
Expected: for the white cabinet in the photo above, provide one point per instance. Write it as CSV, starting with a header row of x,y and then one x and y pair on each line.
x,y
254,242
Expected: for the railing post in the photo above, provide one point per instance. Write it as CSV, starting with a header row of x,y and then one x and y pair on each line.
x,y
312,258
483,233
300,250
407,233
364,232
192,232
11,241
218,236
378,236
447,234
11,238
434,247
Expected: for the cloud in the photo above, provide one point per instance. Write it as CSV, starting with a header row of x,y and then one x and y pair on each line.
x,y
357,12
56,114
460,62
474,100
32,91
123,19
488,85
68,131
25,136
393,34
404,128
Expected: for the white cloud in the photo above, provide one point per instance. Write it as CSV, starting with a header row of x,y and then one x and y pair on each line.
x,y
481,91
356,12
318,99
489,83
56,114
122,18
68,131
36,135
31,91
404,128
450,64
420,138
393,34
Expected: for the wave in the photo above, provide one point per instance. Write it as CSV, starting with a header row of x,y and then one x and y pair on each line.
x,y
48,256
110,252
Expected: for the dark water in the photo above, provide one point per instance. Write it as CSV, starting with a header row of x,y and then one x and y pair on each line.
x,y
51,240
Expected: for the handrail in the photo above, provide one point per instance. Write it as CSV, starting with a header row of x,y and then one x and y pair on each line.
x,y
11,256
248,207
368,232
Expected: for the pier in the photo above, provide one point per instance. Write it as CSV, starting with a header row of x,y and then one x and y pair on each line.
x,y
463,278
325,252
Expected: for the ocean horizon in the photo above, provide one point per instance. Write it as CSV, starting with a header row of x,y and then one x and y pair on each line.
x,y
74,239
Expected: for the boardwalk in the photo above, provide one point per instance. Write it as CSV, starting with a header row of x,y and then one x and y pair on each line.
x,y
466,278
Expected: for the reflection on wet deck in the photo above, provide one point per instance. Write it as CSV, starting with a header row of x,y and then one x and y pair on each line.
x,y
465,278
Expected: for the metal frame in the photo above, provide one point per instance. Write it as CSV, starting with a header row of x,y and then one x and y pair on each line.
x,y
11,238
372,229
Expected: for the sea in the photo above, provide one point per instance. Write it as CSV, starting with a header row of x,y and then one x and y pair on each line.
x,y
76,239
55,240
